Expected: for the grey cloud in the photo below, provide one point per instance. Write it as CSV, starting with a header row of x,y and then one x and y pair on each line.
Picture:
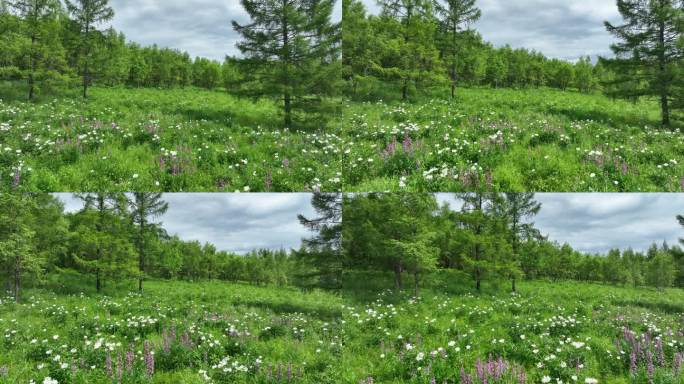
x,y
565,29
597,222
233,222
200,27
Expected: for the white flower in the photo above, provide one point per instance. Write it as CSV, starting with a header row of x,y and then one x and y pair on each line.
x,y
546,379
590,380
420,356
452,343
50,380
135,175
592,175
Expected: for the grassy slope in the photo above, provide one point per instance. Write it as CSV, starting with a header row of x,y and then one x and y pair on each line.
x,y
338,338
536,139
221,143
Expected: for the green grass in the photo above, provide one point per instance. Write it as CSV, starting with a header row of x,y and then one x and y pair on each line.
x,y
162,140
549,329
517,140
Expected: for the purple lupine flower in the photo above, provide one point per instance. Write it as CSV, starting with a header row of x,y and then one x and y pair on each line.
x,y
16,180
289,372
149,358
649,367
407,145
130,357
660,354
108,365
433,381
677,364
286,162
633,363
119,368
369,380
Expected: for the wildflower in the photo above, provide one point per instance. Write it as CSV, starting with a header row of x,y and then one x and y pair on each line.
x,y
590,380
135,175
546,379
49,380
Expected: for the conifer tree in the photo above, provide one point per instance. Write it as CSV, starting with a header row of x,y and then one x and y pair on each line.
x,y
649,49
453,15
36,14
145,206
88,14
516,208
288,41
322,251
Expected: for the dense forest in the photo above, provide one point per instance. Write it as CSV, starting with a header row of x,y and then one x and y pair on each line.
x,y
290,51
414,46
491,239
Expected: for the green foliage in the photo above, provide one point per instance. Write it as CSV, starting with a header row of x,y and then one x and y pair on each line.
x,y
522,140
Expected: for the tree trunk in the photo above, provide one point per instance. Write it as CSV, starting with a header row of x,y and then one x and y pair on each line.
x,y
86,73
141,250
98,283
287,96
664,86
404,90
17,278
416,280
32,68
397,276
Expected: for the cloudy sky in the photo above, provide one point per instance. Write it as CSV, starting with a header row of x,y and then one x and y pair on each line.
x,y
589,222
597,222
231,221
565,29
200,27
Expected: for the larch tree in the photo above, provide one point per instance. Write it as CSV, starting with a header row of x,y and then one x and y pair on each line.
x,y
516,209
88,14
287,41
36,15
412,55
453,16
100,243
649,49
145,206
323,249
18,255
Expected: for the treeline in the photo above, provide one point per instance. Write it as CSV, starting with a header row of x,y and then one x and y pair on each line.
x,y
115,238
415,45
418,44
54,58
490,238
290,51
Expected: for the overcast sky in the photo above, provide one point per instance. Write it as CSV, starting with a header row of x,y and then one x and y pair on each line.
x,y
231,221
200,27
592,222
597,222
564,29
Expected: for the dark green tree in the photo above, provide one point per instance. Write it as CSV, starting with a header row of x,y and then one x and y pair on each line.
x,y
88,14
648,49
286,42
144,207
453,16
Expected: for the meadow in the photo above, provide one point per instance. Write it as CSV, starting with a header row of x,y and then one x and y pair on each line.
x,y
183,139
515,140
213,332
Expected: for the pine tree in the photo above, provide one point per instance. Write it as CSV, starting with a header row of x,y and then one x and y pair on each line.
x,y
144,207
87,14
648,50
36,14
453,15
288,42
